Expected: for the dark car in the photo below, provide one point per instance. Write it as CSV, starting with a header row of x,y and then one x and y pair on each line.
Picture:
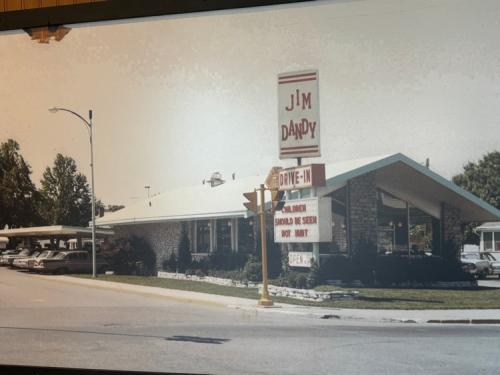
x,y
69,262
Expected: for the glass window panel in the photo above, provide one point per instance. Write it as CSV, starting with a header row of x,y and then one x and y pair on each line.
x,y
488,240
202,236
224,234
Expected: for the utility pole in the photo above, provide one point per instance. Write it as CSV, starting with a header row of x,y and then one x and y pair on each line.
x,y
264,298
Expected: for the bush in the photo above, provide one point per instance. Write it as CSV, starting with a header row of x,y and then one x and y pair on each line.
x,y
392,269
170,264
313,277
184,258
226,260
131,256
253,270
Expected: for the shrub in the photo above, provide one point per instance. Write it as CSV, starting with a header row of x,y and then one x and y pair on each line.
x,y
170,264
128,256
184,258
313,277
253,270
222,259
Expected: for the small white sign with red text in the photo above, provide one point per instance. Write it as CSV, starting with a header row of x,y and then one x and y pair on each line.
x,y
298,114
304,220
299,259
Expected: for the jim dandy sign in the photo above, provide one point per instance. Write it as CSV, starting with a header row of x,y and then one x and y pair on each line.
x,y
304,220
298,101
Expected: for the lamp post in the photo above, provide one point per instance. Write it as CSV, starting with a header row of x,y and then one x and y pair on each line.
x,y
88,124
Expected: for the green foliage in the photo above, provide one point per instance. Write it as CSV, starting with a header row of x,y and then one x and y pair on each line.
x,y
18,195
392,269
274,257
131,256
253,270
224,259
170,264
313,277
482,178
66,197
184,258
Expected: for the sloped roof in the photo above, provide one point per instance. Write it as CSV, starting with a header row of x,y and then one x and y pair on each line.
x,y
226,200
195,202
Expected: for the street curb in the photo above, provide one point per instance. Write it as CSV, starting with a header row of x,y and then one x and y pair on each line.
x,y
246,304
465,321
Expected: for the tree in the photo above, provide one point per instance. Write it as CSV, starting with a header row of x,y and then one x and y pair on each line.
x,y
66,197
18,194
483,180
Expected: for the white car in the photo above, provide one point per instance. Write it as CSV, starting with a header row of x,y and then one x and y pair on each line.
x,y
474,264
494,262
6,260
23,262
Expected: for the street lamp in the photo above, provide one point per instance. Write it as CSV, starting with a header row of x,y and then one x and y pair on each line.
x,y
88,124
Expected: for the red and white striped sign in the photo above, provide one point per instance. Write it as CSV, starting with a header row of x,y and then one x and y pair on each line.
x,y
298,112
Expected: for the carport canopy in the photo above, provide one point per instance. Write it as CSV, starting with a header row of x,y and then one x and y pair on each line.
x,y
60,231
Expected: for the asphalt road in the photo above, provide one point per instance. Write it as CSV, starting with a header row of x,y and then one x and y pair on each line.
x,y
51,323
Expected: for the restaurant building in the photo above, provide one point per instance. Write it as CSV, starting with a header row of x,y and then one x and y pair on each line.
x,y
390,201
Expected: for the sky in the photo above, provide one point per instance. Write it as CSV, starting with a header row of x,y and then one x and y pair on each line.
x,y
176,98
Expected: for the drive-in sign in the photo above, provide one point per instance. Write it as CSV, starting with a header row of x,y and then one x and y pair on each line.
x,y
298,112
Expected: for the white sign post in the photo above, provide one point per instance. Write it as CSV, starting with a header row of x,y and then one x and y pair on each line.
x,y
298,114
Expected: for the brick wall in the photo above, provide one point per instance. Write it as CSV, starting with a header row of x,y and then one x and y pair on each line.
x,y
362,208
163,238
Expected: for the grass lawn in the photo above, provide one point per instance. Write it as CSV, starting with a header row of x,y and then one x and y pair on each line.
x,y
369,298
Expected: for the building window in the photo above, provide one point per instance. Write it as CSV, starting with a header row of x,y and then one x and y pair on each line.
x,y
202,236
392,224
224,234
422,233
488,241
403,228
245,235
496,237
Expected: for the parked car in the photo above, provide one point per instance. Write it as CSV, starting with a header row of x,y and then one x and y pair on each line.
x,y
473,264
23,262
46,254
68,262
6,260
494,262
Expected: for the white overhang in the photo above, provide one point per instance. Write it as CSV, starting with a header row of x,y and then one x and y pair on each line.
x,y
53,231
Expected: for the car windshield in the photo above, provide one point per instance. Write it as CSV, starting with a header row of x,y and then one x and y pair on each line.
x,y
60,256
471,256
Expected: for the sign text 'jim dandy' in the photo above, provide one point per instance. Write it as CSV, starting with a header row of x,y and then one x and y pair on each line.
x,y
298,111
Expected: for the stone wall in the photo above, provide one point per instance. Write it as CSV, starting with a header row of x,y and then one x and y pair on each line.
x,y
451,225
362,210
163,238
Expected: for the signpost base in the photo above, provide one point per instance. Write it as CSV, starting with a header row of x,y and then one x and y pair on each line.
x,y
265,302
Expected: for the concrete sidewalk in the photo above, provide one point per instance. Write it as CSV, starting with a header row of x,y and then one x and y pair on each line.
x,y
385,316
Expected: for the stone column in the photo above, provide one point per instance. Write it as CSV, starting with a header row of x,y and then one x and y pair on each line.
x,y
451,228
362,211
